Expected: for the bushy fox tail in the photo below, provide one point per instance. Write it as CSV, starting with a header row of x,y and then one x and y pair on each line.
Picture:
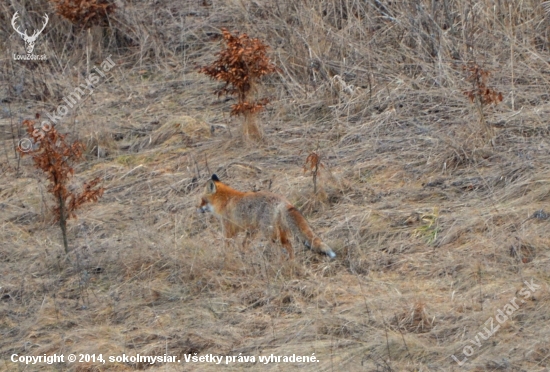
x,y
301,229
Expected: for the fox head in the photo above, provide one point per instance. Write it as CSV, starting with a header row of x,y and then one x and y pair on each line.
x,y
210,189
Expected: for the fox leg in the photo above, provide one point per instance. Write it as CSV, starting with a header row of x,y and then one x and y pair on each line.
x,y
283,237
229,231
250,234
246,239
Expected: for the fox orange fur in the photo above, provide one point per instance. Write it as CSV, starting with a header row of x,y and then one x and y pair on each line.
x,y
259,211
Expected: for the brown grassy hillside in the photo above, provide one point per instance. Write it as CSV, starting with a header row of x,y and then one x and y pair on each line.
x,y
438,220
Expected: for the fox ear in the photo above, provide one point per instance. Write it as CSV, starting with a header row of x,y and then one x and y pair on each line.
x,y
211,187
215,178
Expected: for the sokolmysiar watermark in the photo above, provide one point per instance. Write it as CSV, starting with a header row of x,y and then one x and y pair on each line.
x,y
71,100
501,317
25,145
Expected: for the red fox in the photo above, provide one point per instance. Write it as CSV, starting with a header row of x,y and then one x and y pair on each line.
x,y
252,211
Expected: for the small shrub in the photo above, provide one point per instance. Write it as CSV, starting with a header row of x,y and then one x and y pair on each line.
x,y
240,65
85,13
54,156
481,94
313,164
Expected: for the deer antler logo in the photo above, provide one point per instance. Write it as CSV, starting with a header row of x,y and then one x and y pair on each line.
x,y
29,40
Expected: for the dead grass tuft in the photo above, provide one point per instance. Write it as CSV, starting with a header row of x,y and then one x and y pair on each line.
x,y
415,319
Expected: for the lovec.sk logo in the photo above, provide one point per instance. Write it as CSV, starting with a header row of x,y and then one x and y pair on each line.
x,y
29,40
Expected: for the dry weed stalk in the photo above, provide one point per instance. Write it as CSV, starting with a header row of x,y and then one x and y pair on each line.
x,y
85,13
312,164
54,156
480,94
240,65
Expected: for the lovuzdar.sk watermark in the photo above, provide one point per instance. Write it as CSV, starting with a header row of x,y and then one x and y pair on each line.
x,y
29,41
502,315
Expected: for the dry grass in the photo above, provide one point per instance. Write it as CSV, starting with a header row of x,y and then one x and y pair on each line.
x,y
434,230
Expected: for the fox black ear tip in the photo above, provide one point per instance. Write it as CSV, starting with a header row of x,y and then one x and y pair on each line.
x,y
215,178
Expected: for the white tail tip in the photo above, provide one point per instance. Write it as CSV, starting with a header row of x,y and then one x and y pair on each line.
x,y
331,254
